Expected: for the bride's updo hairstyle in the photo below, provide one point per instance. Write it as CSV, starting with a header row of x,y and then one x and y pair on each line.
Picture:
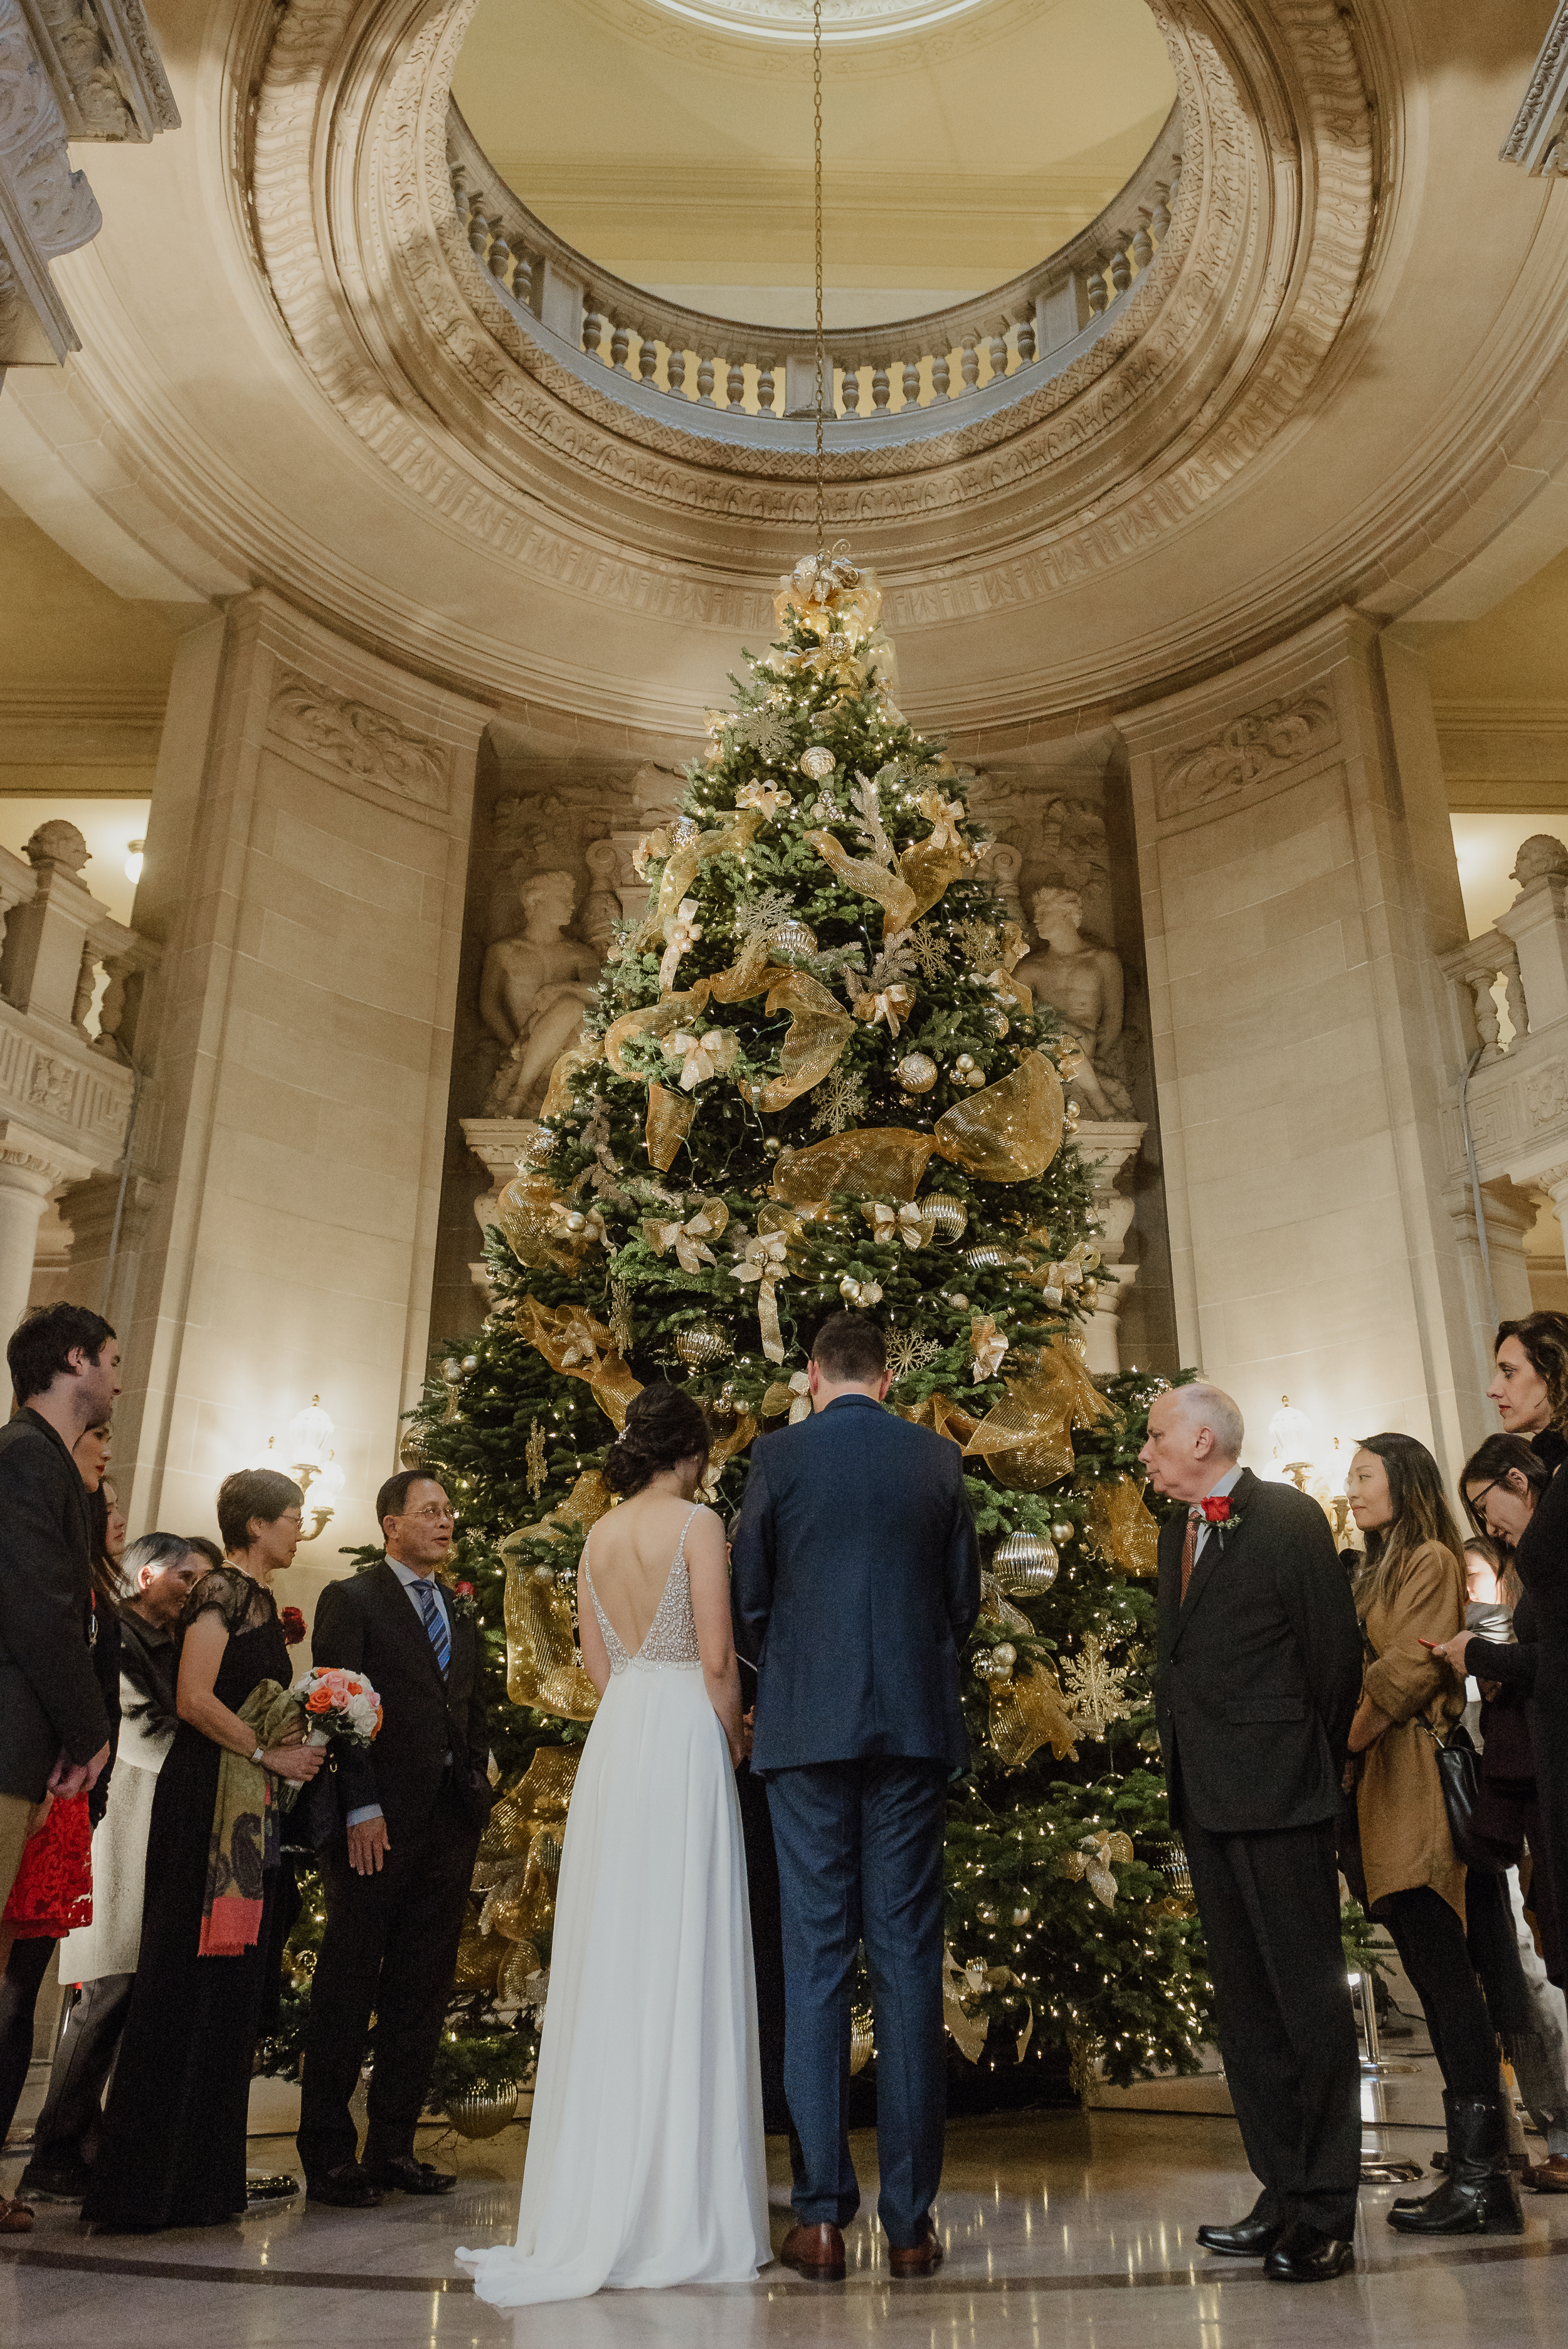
x,y
664,1426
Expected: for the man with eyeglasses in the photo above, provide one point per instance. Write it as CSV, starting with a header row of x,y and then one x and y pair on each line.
x,y
397,1870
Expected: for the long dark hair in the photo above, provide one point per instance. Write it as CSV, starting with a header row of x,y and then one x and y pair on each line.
x,y
1422,1515
1488,1465
664,1427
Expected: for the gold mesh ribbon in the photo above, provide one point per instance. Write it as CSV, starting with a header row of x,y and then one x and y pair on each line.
x,y
570,1340
563,1076
1008,1131
1026,1440
542,1794
1122,1526
526,1211
819,1027
654,1020
890,890
541,1666
724,1448
681,870
670,1119
939,1412
870,1162
1028,1712
517,1864
930,864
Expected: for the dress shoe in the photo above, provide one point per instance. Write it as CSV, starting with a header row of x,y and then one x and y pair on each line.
x,y
1305,2254
15,2219
345,2187
1548,2177
921,2258
1249,2239
408,2176
817,2252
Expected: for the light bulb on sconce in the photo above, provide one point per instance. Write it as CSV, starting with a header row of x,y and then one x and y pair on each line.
x,y
306,1451
1314,1466
134,856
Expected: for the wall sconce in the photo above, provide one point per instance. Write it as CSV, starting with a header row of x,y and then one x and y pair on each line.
x,y
1317,1468
134,850
311,1462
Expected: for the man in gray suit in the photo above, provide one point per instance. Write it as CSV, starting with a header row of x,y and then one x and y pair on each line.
x,y
856,1584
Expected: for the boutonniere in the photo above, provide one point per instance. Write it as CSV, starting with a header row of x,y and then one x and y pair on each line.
x,y
1218,1513
462,1602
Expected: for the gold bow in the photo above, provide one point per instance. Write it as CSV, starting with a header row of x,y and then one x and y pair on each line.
x,y
987,1344
1029,1710
864,1293
688,1239
570,1340
907,1224
768,797
682,934
795,1398
764,1262
892,1004
1093,1859
702,1055
946,816
578,1226
960,1984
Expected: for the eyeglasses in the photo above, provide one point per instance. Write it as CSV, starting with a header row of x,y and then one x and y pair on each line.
x,y
432,1515
1474,1500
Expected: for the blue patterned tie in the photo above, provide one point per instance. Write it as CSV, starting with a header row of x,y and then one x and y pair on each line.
x,y
435,1623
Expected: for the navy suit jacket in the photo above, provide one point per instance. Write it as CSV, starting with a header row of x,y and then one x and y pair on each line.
x,y
855,1583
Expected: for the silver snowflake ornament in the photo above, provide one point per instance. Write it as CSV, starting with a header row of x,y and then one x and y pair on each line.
x,y
840,1102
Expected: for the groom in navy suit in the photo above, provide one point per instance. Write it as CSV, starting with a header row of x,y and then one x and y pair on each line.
x,y
856,1581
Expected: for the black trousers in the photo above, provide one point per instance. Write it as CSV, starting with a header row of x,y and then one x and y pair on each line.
x,y
1270,1910
69,2125
19,1987
390,1948
1433,1951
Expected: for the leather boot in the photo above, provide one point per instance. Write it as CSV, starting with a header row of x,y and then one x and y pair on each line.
x,y
1480,2195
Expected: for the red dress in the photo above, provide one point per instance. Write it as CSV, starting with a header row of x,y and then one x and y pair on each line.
x,y
53,1893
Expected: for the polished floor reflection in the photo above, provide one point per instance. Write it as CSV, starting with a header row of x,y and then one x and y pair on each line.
x,y
1073,2228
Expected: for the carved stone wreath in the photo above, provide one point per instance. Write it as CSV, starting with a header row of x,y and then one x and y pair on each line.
x,y
1211,360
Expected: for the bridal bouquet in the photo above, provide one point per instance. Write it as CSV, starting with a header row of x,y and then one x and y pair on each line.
x,y
338,1704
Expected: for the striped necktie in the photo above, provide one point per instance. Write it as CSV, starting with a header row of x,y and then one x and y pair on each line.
x,y
435,1621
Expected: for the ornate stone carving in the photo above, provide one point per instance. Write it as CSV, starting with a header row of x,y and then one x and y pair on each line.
x,y
1248,751
366,742
57,207
1546,1094
51,1086
1085,984
1535,140
58,846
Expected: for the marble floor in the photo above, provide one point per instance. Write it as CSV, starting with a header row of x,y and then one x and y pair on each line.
x,y
1066,2227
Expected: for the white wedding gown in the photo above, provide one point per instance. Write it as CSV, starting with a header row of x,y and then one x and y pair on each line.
x,y
645,2154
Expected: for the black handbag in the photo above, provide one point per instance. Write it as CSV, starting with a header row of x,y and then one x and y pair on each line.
x,y
1458,1776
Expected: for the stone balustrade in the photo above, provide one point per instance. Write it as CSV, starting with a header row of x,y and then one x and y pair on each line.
x,y
67,1087
899,380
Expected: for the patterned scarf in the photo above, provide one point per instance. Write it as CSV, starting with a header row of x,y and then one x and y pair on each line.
x,y
245,1833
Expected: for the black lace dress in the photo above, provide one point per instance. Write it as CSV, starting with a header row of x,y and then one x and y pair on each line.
x,y
174,2147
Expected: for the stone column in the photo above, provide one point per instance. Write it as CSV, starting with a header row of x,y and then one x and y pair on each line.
x,y
1299,877
306,867
31,1166
1107,1151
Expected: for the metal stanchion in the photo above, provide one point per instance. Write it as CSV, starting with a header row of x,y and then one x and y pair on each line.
x,y
1376,2169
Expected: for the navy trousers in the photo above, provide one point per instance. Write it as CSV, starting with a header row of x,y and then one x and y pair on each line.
x,y
860,1859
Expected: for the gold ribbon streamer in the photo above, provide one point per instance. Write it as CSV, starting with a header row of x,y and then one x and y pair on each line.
x,y
928,865
1008,1131
1027,1711
542,1668
765,1263
819,1027
670,1119
681,871
870,1162
1026,1440
892,892
655,1022
563,1076
1122,1526
569,1340
940,1412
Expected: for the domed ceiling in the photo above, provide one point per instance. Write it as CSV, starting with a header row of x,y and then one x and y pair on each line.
x,y
962,139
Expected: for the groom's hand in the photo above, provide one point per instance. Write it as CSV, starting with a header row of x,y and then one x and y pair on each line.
x,y
368,1844
748,1731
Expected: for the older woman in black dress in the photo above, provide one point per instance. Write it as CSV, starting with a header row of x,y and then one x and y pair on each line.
x,y
173,2150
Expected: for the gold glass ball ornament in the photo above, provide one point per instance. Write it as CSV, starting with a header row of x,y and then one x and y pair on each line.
x,y
1021,1916
1036,1576
916,1073
1016,1551
485,2110
957,1299
1005,1654
862,2042
964,1064
998,1023
700,1344
772,1146
545,1575
793,936
1062,1529
985,1914
986,1667
817,763
945,1218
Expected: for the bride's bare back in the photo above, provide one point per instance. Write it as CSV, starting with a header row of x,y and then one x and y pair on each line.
x,y
629,1556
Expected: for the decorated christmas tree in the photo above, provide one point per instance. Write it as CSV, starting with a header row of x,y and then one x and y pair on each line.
x,y
809,1080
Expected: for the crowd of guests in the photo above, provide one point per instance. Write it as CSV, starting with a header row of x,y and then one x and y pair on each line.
x,y
149,1752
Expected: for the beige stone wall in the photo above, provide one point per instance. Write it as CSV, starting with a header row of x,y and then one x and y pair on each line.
x,y
1298,876
304,870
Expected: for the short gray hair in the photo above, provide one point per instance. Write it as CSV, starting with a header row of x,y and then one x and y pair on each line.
x,y
1211,1407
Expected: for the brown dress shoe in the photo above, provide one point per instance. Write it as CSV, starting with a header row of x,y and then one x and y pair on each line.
x,y
922,2258
815,2251
1548,2177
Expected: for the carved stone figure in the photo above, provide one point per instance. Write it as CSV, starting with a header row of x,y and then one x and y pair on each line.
x,y
532,994
1084,984
601,906
1541,857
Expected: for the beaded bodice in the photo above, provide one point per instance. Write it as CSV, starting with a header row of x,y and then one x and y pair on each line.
x,y
671,1640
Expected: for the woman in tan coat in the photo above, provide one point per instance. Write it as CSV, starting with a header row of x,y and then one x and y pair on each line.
x,y
1410,1589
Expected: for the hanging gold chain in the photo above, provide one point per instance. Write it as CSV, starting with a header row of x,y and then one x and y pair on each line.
x,y
816,123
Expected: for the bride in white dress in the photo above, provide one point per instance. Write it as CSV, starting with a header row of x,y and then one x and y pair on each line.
x,y
644,2154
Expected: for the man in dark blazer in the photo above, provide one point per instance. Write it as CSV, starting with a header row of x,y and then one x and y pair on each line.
x,y
1259,1673
53,1727
398,1867
856,1582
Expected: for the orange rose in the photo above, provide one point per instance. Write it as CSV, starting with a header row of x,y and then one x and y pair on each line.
x,y
318,1700
355,1687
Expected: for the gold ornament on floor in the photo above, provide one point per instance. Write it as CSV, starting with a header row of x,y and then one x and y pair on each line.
x,y
1096,1689
484,2110
1091,1863
533,1459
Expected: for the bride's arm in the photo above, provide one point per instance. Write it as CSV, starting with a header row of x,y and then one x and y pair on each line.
x,y
707,1564
590,1639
